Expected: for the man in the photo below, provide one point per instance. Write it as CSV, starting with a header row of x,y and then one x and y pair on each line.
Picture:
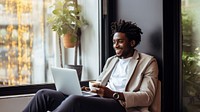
x,y
128,80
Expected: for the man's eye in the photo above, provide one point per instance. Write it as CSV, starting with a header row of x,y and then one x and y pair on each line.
x,y
120,41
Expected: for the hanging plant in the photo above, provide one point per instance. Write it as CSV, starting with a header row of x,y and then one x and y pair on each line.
x,y
66,20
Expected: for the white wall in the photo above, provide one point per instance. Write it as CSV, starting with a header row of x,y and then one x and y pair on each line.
x,y
89,41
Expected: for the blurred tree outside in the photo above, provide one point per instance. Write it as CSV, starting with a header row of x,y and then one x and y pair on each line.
x,y
191,57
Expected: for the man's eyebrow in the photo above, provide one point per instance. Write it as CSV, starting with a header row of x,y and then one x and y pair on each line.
x,y
118,39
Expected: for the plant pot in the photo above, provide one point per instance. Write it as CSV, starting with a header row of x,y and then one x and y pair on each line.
x,y
68,41
78,69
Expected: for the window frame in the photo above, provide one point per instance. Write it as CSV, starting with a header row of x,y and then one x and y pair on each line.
x,y
33,88
24,89
171,97
29,89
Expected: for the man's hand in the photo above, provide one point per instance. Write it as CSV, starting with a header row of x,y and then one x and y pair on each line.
x,y
103,91
84,88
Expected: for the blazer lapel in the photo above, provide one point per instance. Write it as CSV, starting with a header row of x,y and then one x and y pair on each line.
x,y
109,70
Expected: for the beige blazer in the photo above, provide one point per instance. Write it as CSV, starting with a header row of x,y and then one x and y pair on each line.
x,y
142,81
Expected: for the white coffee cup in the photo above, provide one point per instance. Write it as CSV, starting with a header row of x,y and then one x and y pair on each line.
x,y
92,83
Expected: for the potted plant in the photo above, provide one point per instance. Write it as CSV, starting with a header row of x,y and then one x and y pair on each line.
x,y
67,21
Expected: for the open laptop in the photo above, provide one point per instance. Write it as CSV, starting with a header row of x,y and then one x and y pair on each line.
x,y
66,81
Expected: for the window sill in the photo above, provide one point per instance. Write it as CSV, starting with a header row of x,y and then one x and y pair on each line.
x,y
28,89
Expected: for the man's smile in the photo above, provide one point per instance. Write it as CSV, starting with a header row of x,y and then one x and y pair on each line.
x,y
118,50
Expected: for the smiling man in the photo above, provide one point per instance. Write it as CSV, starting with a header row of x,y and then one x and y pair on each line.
x,y
128,80
122,46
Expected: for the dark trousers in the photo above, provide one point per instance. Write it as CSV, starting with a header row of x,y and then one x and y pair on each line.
x,y
46,99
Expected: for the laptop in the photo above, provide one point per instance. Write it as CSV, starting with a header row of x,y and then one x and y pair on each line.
x,y
66,81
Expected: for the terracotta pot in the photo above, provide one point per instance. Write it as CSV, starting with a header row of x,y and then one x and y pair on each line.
x,y
68,41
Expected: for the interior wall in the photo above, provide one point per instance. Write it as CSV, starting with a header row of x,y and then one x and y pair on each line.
x,y
14,103
148,14
89,41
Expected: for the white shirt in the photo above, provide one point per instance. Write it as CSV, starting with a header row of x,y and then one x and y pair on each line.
x,y
119,74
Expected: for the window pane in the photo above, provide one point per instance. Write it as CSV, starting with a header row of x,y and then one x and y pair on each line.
x,y
191,55
26,42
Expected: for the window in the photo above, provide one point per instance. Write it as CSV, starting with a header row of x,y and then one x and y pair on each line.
x,y
191,54
28,47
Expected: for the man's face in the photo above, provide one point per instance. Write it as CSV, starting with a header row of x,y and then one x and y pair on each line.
x,y
122,45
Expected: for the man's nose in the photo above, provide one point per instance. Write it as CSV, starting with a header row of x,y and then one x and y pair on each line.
x,y
116,45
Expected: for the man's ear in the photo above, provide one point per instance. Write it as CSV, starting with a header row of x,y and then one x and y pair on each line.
x,y
132,43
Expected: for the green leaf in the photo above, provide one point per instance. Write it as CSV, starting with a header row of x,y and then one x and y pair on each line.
x,y
66,17
56,11
73,39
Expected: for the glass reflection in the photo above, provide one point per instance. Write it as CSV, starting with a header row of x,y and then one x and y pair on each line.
x,y
23,42
191,55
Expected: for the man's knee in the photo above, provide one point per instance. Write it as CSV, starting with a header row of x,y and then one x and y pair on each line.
x,y
42,93
75,98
